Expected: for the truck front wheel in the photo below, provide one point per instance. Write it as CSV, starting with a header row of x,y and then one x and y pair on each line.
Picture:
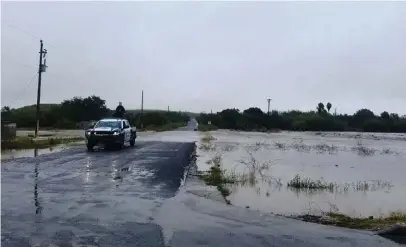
x,y
90,147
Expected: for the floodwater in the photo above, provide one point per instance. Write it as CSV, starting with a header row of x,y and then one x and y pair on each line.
x,y
367,171
33,152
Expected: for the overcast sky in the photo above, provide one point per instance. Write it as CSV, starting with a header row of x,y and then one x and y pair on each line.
x,y
199,56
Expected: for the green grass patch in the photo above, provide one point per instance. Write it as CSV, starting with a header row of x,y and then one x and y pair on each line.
x,y
29,143
367,223
216,176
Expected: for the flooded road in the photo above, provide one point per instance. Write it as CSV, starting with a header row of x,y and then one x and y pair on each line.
x,y
142,196
365,176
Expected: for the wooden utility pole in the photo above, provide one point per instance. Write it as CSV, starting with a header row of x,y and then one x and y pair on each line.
x,y
41,68
269,101
142,108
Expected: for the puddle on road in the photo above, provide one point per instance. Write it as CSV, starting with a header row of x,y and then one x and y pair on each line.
x,y
360,177
24,153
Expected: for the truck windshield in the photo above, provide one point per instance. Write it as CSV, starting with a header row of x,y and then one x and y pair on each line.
x,y
109,124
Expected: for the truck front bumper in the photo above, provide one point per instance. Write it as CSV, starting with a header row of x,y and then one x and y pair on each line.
x,y
106,139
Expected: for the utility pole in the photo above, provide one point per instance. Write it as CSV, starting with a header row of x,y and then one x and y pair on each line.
x,y
41,68
142,108
269,101
168,108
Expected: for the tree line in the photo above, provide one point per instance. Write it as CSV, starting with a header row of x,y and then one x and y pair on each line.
x,y
254,119
70,112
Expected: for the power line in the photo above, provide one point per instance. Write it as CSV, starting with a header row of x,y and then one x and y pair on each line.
x,y
21,30
70,79
48,43
24,89
19,63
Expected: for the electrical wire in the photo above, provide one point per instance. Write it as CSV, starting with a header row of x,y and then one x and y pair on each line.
x,y
48,43
24,89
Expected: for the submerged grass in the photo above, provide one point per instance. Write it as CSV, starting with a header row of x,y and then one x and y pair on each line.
x,y
216,176
207,137
322,148
366,223
206,144
299,182
207,147
363,150
29,143
307,185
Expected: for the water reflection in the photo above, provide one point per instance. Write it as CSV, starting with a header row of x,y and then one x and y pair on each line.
x,y
88,168
37,204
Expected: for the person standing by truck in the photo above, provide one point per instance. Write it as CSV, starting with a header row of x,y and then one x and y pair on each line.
x,y
120,110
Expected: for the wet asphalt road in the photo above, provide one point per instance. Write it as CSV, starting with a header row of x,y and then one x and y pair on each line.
x,y
140,197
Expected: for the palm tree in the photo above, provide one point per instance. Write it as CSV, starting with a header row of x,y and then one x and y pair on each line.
x,y
328,106
320,108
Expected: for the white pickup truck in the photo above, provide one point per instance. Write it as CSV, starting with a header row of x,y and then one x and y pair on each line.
x,y
111,132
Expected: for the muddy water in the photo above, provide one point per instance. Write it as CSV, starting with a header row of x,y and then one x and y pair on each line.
x,y
20,153
347,160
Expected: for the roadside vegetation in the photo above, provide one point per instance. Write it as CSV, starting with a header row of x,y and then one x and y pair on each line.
x,y
165,127
207,127
70,113
335,218
217,176
311,186
254,119
366,223
30,143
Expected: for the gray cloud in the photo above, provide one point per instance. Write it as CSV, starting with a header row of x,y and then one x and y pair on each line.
x,y
200,56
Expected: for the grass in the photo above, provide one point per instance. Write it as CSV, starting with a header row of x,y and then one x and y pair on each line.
x,y
165,127
299,182
206,144
207,137
216,176
322,148
334,217
363,151
207,147
207,127
28,143
366,223
303,184
280,145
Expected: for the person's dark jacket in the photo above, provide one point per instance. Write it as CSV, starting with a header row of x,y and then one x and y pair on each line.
x,y
120,110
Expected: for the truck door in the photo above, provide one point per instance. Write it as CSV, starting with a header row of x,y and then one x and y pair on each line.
x,y
127,131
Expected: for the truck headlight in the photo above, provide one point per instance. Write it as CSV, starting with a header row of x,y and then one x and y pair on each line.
x,y
87,133
115,133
